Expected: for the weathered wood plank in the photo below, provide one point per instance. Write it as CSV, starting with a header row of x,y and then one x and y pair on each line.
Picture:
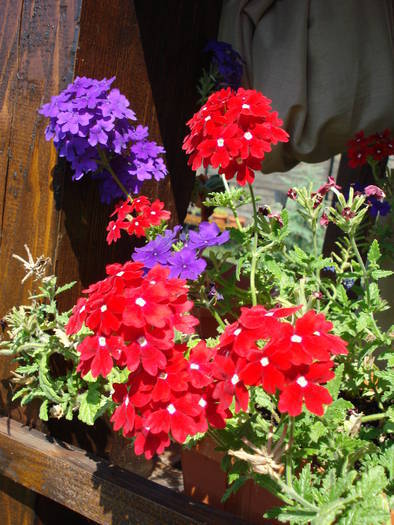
x,y
94,488
37,48
16,503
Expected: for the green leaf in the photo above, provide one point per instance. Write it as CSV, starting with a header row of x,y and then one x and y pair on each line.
x,y
43,414
374,252
65,287
317,431
91,405
334,385
233,488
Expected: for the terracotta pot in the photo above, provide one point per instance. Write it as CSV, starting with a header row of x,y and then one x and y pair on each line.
x,y
205,482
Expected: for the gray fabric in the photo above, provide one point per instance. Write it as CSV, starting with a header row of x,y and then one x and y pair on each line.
x,y
327,65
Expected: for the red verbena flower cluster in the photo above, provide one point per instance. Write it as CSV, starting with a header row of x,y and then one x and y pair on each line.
x,y
135,216
171,392
376,147
232,132
295,359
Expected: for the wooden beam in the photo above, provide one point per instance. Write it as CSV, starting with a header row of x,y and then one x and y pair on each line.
x,y
93,487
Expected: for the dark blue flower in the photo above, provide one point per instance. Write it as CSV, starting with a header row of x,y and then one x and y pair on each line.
x,y
228,63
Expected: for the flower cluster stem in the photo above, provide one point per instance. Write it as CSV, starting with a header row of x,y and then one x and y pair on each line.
x,y
254,250
105,163
289,455
232,206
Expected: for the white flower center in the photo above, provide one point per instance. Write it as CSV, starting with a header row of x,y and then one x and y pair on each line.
x,y
171,409
82,309
296,338
119,274
248,135
163,376
207,118
245,106
237,331
264,361
126,401
104,308
269,314
102,341
140,301
202,403
114,227
316,333
153,213
142,341
302,381
235,379
220,143
136,223
152,282
194,366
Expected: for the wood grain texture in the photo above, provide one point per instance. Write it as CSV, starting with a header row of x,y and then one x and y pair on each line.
x,y
16,503
94,488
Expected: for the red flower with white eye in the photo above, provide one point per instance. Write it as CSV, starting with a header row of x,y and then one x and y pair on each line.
x,y
124,414
137,226
141,351
139,204
257,317
114,231
145,305
304,386
229,384
200,367
260,370
221,148
155,213
98,354
104,313
309,340
77,317
239,338
176,416
243,168
172,379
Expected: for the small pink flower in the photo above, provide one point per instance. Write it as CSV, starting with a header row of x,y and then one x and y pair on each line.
x,y
374,191
324,220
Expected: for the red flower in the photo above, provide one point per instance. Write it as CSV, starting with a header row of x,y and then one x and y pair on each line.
x,y
232,132
261,371
304,387
229,384
98,354
155,213
175,417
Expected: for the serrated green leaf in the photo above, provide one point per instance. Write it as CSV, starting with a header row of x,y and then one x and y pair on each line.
x,y
43,414
374,252
233,488
65,287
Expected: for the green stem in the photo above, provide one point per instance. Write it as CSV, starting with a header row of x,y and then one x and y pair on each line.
x,y
365,280
289,454
216,316
105,163
232,207
374,417
254,250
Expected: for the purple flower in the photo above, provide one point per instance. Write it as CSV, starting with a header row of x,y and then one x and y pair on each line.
x,y
186,264
157,251
89,115
207,235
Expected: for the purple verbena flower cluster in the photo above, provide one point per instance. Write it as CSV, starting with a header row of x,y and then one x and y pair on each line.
x,y
186,262
87,117
228,62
